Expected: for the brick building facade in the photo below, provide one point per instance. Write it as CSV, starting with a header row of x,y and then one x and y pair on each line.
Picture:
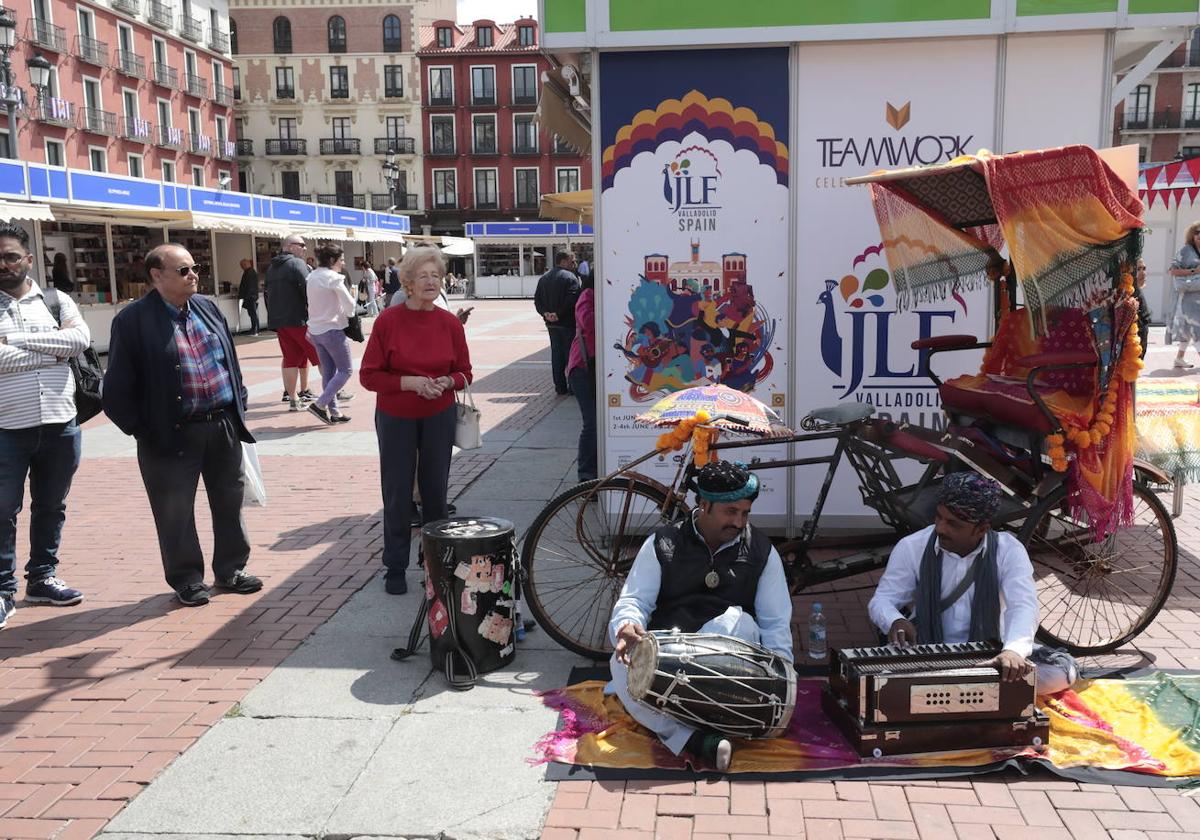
x,y
1162,114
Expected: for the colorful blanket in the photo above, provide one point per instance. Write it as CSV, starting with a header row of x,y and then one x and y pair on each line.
x,y
1168,425
1144,725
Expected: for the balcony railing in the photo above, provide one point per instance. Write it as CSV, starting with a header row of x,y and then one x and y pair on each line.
x,y
438,101
170,137
237,93
483,98
441,203
1191,120
166,75
486,203
560,149
525,149
16,92
341,146
221,94
129,7
442,151
199,144
99,122
245,148
55,111
485,148
219,41
161,14
524,98
287,146
525,201
91,50
137,129
131,64
393,93
401,201
46,34
191,29
358,200
226,149
339,93
397,145
196,86
285,93
290,196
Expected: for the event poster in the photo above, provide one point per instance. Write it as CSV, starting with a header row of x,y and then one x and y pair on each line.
x,y
695,230
862,109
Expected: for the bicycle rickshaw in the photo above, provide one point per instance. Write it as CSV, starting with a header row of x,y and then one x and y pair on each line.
x,y
1049,415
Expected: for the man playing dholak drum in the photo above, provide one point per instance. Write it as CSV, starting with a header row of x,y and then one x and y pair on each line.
x,y
968,583
715,573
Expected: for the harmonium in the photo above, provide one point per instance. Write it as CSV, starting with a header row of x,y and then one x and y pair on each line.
x,y
895,700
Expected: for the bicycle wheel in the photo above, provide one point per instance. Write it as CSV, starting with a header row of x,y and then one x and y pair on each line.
x,y
1095,596
578,553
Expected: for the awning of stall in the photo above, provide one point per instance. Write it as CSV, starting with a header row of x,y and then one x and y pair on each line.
x,y
234,224
457,246
26,211
567,206
370,235
327,233
133,216
563,113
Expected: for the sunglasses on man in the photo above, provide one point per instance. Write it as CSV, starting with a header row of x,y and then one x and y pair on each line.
x,y
185,270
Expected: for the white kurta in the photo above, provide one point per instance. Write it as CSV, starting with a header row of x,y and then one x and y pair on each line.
x,y
639,596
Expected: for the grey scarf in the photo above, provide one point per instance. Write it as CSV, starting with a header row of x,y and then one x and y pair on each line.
x,y
985,603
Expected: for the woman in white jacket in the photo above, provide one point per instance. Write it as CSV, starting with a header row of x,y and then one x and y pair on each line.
x,y
330,306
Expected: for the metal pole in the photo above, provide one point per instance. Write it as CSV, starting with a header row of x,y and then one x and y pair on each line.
x,y
10,109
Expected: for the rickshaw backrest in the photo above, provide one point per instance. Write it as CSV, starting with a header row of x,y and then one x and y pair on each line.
x,y
1067,329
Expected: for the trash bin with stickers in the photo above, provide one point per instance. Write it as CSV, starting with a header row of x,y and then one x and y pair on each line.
x,y
470,597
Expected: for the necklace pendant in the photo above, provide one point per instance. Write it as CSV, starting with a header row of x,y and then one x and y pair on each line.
x,y
712,580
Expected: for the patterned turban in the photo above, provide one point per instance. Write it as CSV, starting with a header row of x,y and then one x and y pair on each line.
x,y
970,496
726,481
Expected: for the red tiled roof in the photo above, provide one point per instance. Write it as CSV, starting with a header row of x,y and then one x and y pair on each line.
x,y
504,40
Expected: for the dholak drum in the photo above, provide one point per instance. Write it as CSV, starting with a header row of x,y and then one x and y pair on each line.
x,y
470,589
715,682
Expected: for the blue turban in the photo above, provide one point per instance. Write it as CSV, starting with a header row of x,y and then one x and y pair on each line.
x,y
970,496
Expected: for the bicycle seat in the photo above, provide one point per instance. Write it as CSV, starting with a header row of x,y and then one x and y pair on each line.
x,y
841,415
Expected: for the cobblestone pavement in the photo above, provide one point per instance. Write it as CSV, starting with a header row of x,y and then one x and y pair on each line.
x,y
97,699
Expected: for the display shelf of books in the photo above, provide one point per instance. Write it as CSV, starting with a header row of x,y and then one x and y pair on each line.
x,y
199,245
130,245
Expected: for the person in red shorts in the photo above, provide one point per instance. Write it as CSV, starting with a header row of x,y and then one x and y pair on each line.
x,y
287,315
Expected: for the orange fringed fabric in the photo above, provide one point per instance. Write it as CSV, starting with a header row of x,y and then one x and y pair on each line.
x,y
692,429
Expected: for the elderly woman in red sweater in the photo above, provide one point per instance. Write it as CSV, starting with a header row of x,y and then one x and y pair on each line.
x,y
415,360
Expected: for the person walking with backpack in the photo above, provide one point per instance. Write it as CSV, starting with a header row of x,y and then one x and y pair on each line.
x,y
39,434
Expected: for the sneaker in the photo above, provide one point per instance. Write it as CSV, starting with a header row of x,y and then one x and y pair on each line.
x,y
307,396
286,397
240,581
294,405
340,418
192,595
8,606
395,585
321,414
52,590
1182,365
344,397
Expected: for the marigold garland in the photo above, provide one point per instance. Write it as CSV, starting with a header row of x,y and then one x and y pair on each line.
x,y
1126,370
691,429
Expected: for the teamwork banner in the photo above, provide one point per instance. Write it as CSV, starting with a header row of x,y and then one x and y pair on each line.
x,y
695,229
863,108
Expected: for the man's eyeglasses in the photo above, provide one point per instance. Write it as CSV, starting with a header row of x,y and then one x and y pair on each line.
x,y
185,270
11,258
299,245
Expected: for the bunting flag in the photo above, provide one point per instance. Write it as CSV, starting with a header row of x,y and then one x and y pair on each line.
x,y
1164,176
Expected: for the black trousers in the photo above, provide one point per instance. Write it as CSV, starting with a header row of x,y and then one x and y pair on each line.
x,y
210,449
251,307
400,441
560,351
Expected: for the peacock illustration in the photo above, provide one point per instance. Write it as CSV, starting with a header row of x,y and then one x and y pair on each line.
x,y
831,342
668,193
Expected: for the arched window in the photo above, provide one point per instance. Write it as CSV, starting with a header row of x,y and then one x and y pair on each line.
x,y
233,36
337,34
282,30
391,34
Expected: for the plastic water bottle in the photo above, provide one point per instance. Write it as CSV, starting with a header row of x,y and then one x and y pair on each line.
x,y
816,634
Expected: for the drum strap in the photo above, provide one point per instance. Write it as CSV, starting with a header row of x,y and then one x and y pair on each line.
x,y
417,636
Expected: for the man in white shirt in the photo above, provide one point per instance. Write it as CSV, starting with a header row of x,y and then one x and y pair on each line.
x,y
715,573
978,582
39,437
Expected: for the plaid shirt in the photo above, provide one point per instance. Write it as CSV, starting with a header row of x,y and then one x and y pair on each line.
x,y
203,368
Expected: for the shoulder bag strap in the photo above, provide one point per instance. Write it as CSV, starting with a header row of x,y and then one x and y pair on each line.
x,y
50,298
963,585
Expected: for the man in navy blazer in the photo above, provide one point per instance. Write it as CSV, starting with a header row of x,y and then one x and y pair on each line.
x,y
174,383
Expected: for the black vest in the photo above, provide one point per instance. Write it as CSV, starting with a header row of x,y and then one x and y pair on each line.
x,y
684,601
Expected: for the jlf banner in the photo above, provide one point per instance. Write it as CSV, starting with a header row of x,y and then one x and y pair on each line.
x,y
864,108
695,227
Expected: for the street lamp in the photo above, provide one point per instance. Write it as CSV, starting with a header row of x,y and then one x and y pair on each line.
x,y
8,40
39,76
391,175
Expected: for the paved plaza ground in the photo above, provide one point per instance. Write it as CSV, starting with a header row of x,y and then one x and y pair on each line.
x,y
279,714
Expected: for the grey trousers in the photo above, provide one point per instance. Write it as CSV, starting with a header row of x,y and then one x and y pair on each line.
x,y
212,450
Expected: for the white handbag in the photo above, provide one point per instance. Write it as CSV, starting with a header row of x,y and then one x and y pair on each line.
x,y
467,434
252,477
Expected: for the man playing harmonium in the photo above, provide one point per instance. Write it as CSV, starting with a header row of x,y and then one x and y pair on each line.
x,y
976,581
715,573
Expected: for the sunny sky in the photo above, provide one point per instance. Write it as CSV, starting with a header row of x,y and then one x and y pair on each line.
x,y
501,11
